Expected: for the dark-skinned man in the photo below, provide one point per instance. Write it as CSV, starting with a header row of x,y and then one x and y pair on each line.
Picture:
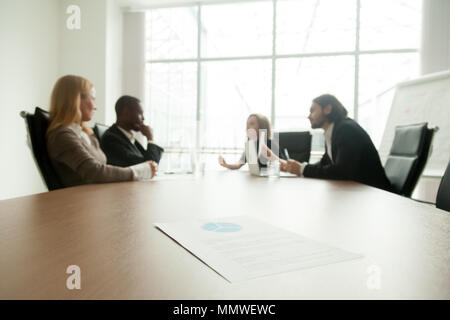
x,y
119,143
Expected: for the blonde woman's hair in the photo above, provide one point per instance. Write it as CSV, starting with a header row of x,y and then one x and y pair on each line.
x,y
65,102
263,123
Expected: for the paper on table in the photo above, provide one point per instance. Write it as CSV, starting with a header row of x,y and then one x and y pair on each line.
x,y
241,248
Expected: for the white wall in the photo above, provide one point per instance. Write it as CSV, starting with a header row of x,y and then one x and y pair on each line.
x,y
83,51
95,51
37,49
435,52
114,26
29,37
134,55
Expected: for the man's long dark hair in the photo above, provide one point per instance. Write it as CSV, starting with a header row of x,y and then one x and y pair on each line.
x,y
338,111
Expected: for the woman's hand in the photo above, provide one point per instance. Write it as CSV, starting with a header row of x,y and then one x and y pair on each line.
x,y
154,166
222,162
267,153
236,166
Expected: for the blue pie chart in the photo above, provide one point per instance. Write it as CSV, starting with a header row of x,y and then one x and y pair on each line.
x,y
221,227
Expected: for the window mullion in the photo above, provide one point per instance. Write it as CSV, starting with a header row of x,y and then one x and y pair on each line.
x,y
274,37
356,89
199,73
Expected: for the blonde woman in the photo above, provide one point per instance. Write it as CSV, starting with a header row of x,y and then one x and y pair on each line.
x,y
255,123
73,148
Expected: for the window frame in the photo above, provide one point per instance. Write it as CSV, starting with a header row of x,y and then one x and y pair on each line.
x,y
356,53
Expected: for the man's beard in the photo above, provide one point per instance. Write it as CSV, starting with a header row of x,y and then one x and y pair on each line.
x,y
318,124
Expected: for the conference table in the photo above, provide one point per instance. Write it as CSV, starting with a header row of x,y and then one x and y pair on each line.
x,y
108,231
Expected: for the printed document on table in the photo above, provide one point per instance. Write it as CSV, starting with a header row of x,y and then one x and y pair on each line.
x,y
242,248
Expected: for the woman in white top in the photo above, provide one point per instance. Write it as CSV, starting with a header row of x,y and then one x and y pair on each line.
x,y
256,123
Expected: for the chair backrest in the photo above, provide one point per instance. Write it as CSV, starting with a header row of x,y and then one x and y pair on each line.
x,y
298,145
99,130
443,195
37,125
408,156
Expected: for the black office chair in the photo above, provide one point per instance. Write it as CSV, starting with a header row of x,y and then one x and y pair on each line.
x,y
443,195
99,130
37,125
408,156
298,145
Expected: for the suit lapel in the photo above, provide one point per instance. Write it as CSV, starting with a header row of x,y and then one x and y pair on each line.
x,y
125,139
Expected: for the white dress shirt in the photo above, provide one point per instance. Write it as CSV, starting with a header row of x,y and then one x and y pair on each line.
x,y
141,171
328,135
128,134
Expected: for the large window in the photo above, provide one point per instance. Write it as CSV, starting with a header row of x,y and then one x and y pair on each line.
x,y
210,65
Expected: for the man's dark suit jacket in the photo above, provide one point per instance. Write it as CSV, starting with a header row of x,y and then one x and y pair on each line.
x,y
121,152
355,158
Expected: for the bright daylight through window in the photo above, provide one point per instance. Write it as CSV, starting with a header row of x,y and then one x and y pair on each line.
x,y
210,65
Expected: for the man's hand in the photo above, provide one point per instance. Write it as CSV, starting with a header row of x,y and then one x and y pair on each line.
x,y
146,131
154,166
283,165
291,166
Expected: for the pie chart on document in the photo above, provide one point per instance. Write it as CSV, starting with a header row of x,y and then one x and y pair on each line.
x,y
221,227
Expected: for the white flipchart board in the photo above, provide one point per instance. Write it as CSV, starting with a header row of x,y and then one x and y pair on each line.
x,y
426,99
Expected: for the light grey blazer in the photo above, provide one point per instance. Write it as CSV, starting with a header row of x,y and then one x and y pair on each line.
x,y
78,162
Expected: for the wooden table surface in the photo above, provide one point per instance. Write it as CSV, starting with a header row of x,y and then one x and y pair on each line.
x,y
107,230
